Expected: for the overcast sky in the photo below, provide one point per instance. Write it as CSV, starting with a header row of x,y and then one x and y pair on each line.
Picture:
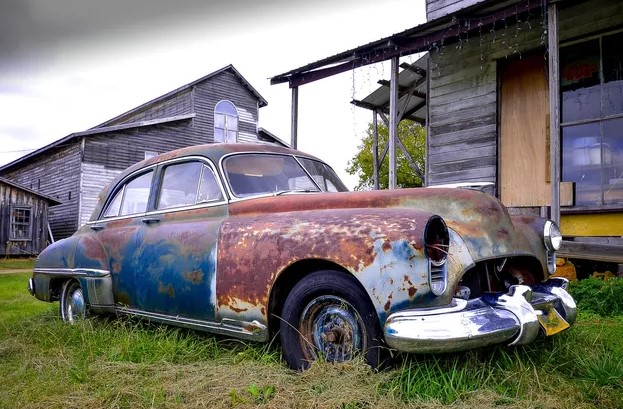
x,y
68,65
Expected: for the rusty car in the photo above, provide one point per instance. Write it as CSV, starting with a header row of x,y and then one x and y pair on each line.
x,y
260,242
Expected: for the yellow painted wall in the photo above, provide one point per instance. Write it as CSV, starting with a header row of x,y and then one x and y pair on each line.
x,y
596,224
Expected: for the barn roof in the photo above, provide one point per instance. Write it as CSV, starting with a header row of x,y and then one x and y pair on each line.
x,y
110,126
51,200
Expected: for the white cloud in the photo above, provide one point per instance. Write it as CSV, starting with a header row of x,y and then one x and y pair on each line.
x,y
83,77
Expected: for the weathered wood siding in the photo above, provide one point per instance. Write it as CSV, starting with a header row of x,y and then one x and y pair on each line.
x,y
226,86
463,104
178,104
107,154
13,196
440,8
55,174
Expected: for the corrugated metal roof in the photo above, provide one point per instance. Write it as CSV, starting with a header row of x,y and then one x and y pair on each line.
x,y
411,92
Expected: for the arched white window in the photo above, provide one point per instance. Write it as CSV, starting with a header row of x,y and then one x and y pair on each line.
x,y
225,122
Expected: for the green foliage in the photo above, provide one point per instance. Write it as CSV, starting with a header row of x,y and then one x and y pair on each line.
x,y
602,297
412,135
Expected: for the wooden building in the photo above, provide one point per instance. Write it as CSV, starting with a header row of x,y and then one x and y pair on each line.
x,y
525,94
23,219
220,107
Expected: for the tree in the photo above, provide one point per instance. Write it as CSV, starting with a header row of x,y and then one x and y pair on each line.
x,y
413,137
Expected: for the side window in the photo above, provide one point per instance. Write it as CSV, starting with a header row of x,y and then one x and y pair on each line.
x,y
188,183
132,198
225,122
21,223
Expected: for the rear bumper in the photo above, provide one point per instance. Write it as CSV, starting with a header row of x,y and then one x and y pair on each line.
x,y
516,318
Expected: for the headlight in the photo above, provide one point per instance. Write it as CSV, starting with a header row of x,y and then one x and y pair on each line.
x,y
552,236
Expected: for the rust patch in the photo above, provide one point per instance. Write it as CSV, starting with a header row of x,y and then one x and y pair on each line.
x,y
388,305
412,291
166,289
195,277
238,310
386,246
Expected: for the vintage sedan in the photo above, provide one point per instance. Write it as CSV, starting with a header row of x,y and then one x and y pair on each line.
x,y
255,241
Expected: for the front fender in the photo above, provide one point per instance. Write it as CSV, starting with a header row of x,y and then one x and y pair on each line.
x,y
382,248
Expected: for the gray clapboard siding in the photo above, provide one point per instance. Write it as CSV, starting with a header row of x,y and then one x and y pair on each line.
x,y
175,105
226,86
55,174
463,109
94,178
13,196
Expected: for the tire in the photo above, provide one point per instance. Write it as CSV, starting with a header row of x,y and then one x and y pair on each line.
x,y
328,315
72,305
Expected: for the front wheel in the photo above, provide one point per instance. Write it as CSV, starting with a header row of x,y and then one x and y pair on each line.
x,y
328,315
72,306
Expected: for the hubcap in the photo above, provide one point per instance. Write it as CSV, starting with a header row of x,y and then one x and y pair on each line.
x,y
332,328
75,306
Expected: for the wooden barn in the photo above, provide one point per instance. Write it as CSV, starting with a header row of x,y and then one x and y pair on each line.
x,y
220,107
524,94
23,220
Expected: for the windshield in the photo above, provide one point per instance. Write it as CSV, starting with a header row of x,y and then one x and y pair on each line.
x,y
260,174
323,175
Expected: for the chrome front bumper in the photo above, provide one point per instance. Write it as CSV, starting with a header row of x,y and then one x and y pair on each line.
x,y
515,317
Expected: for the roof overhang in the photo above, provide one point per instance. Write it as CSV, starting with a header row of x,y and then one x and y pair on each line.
x,y
430,35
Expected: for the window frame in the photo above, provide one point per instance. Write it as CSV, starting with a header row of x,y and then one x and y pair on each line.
x,y
13,223
154,191
598,120
225,129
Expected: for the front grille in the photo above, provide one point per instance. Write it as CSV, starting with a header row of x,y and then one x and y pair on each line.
x,y
437,277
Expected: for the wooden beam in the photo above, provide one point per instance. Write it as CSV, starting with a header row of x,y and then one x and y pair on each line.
x,y
414,165
591,251
554,100
375,151
404,90
295,118
393,122
413,68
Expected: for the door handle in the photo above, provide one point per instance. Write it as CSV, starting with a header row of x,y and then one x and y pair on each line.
x,y
96,227
150,220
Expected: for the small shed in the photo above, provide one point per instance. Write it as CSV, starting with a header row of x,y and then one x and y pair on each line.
x,y
23,219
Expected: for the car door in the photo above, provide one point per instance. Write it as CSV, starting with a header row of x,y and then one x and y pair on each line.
x,y
117,230
175,263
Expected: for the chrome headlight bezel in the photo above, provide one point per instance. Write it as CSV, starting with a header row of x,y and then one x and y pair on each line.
x,y
552,237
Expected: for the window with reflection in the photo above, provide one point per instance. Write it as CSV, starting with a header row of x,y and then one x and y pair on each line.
x,y
187,184
132,198
591,85
323,175
225,122
261,174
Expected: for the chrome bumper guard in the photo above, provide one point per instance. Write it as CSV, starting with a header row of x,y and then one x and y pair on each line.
x,y
512,317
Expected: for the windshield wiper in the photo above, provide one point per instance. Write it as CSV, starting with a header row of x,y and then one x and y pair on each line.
x,y
283,192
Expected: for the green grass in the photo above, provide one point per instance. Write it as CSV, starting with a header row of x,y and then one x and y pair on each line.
x,y
17,263
122,363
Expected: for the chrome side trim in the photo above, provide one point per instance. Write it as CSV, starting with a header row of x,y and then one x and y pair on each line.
x,y
77,272
253,331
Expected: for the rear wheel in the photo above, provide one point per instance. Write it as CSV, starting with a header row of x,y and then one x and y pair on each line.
x,y
328,315
72,306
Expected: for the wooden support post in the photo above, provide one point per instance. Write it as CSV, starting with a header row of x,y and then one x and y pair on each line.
x,y
375,151
393,122
295,118
554,101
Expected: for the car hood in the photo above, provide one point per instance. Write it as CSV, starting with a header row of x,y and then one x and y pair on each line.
x,y
479,218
